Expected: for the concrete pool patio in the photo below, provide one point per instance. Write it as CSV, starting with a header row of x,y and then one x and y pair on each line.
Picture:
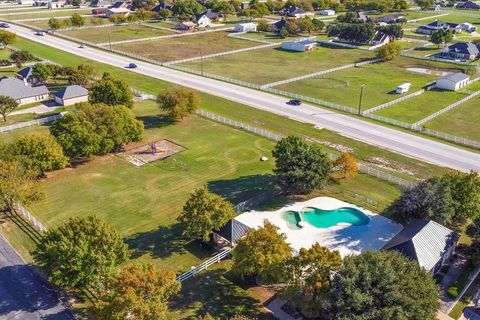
x,y
346,238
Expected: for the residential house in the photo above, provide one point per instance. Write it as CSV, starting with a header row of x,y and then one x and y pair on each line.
x,y
21,92
425,241
468,27
452,81
300,45
468,5
25,75
380,39
163,6
326,12
437,25
56,4
70,95
391,18
296,12
101,3
277,26
30,2
120,5
206,18
461,51
186,26
110,12
245,27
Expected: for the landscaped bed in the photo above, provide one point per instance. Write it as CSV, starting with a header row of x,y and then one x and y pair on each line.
x,y
186,46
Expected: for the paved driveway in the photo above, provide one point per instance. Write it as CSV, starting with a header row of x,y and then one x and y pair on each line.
x,y
23,294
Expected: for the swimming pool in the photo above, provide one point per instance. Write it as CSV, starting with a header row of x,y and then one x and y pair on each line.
x,y
325,218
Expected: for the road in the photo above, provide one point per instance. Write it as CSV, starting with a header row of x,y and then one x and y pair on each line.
x,y
23,294
405,143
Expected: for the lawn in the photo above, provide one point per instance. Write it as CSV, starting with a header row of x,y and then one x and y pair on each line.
x,y
379,80
274,64
47,14
116,33
5,54
186,47
462,121
43,24
419,107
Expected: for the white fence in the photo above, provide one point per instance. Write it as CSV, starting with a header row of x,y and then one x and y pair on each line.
x,y
388,104
348,45
107,25
32,123
204,265
320,73
238,35
30,217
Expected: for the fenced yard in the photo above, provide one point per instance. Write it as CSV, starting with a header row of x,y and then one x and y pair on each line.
x,y
46,14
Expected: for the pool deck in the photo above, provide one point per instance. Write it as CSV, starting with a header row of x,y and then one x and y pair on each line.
x,y
346,238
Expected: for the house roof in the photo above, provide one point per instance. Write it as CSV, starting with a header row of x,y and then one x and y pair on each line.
x,y
391,17
280,24
209,14
464,48
71,92
455,77
163,5
17,89
118,10
233,231
423,240
380,36
292,11
468,5
305,42
441,24
118,4
25,72
187,23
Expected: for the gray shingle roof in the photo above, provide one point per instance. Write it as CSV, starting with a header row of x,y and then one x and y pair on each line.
x,y
70,92
16,89
464,48
233,231
455,77
423,240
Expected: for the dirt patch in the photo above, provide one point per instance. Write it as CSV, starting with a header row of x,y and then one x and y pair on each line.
x,y
389,165
338,147
156,150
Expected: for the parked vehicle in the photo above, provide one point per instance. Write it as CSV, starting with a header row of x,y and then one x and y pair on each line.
x,y
294,102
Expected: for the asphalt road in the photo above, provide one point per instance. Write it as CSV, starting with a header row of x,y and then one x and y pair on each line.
x,y
391,139
23,294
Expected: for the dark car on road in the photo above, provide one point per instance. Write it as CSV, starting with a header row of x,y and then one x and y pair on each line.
x,y
4,25
132,65
294,102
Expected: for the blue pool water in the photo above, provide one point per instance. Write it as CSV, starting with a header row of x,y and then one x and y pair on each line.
x,y
326,218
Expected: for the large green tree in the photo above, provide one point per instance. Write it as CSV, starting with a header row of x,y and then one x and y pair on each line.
x,y
7,106
54,23
300,166
425,4
77,20
80,253
262,252
138,291
187,8
178,102
388,51
7,38
204,212
112,92
41,72
383,285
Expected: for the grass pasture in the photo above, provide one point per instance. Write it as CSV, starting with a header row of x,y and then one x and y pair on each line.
x,y
186,47
274,64
47,14
116,33
380,80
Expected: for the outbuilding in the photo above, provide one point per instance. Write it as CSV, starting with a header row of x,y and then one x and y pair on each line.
x,y
117,12
326,12
71,95
186,26
300,45
452,81
245,27
403,88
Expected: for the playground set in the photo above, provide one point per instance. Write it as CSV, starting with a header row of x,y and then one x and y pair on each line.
x,y
153,151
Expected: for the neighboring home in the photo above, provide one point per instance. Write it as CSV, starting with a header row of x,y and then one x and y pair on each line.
x,y
326,12
230,233
71,95
427,242
403,88
245,27
300,45
56,4
296,12
206,18
380,39
436,7
391,18
186,26
30,2
452,81
362,17
461,51
469,5
163,6
468,27
437,25
277,26
116,12
25,75
120,4
22,93
100,3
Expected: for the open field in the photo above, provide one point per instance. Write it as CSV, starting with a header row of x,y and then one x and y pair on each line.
x,y
186,47
274,37
274,64
43,24
462,121
380,81
116,33
47,14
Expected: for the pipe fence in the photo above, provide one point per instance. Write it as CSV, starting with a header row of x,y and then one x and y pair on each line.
x,y
32,122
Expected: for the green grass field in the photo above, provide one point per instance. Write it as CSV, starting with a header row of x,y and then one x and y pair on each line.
x,y
116,33
274,64
47,14
186,47
380,80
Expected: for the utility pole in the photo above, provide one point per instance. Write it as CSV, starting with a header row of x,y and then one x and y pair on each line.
x,y
109,42
201,61
360,100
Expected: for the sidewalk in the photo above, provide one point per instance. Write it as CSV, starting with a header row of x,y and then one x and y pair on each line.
x,y
40,109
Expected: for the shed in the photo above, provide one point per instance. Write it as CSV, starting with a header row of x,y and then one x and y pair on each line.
x,y
117,11
186,26
452,81
300,45
403,88
71,95
245,27
230,233
326,12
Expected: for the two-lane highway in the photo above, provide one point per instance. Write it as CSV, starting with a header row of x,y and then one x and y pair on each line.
x,y
405,143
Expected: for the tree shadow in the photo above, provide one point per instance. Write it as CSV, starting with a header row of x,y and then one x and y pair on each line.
x,y
152,122
242,188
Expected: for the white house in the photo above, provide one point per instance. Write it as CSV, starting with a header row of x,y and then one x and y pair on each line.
x,y
71,95
203,21
403,88
30,2
245,27
116,12
452,81
300,45
326,12
22,93
56,4
380,39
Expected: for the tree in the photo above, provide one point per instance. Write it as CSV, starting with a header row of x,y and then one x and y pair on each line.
x,y
164,14
82,75
260,8
224,7
306,25
111,92
77,20
39,152
96,21
352,32
7,105
80,253
346,164
308,277
41,72
54,24
393,30
262,25
318,25
383,285
389,51
7,38
187,8
144,4
437,37
300,166
178,102
204,212
292,27
76,3
425,4
138,291
143,15
22,56
17,184
262,252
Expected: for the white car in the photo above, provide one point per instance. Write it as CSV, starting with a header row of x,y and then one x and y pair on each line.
x,y
40,33
82,46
